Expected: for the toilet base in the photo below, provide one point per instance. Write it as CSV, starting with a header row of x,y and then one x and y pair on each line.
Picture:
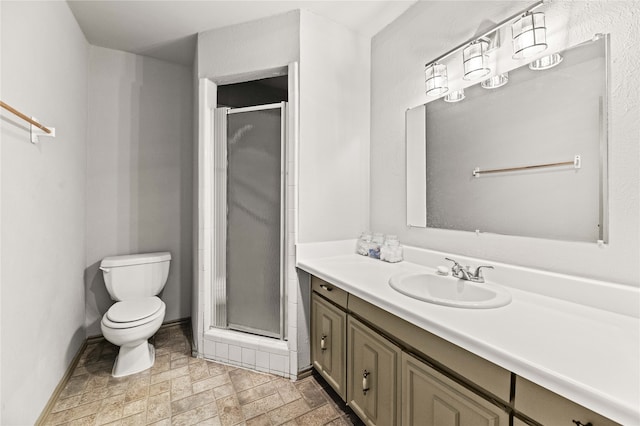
x,y
134,359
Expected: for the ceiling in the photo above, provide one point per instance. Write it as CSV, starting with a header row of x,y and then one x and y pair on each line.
x,y
167,30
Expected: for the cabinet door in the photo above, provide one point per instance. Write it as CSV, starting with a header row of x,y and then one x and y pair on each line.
x,y
431,399
372,375
328,342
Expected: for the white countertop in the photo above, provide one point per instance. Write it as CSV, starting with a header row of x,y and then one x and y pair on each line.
x,y
586,354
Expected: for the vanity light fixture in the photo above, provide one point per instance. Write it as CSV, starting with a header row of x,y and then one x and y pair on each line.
x,y
529,35
529,38
475,60
455,96
495,81
546,62
436,81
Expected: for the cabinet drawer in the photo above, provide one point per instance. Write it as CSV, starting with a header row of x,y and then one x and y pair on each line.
x,y
328,343
329,291
549,408
430,398
494,379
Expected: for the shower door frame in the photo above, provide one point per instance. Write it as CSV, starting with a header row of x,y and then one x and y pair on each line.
x,y
221,139
275,356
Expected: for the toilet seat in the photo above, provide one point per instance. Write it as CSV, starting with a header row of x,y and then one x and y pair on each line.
x,y
133,312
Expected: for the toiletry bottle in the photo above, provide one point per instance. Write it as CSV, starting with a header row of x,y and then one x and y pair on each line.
x,y
362,246
391,250
375,245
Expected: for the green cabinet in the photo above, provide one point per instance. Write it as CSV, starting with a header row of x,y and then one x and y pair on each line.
x,y
373,375
328,342
430,398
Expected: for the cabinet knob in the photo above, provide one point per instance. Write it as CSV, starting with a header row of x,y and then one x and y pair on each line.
x,y
365,381
326,287
323,342
579,423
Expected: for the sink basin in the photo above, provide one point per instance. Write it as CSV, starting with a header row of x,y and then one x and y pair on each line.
x,y
450,291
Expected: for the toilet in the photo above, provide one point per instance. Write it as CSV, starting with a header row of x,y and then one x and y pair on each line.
x,y
134,281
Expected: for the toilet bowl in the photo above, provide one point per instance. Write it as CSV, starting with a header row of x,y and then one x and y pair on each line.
x,y
134,281
130,328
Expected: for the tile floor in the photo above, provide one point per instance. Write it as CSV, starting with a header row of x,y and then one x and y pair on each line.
x,y
181,390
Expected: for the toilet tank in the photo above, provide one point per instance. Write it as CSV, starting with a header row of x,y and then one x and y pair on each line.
x,y
135,275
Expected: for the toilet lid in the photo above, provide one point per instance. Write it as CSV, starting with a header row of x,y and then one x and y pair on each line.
x,y
134,309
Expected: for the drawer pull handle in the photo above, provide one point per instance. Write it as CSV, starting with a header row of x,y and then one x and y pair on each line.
x,y
323,344
326,287
365,382
579,423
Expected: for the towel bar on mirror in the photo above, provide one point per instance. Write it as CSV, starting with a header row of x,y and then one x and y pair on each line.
x,y
576,163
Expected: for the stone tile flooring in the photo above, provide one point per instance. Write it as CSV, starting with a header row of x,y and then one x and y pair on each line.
x,y
181,390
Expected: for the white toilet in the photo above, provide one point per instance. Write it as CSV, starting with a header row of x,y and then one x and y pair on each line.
x,y
134,281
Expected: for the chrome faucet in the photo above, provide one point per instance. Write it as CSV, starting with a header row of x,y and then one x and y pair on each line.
x,y
464,273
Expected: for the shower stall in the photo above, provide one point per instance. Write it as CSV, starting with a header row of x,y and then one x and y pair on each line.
x,y
246,305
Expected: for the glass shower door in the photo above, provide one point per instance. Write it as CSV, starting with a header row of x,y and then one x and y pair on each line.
x,y
255,219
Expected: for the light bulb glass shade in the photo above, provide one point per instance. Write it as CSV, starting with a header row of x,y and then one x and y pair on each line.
x,y
475,60
455,96
529,35
546,62
436,81
495,81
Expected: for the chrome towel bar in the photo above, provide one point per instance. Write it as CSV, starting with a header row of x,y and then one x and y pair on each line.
x,y
576,163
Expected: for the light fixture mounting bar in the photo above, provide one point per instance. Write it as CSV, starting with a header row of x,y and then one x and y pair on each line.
x,y
493,29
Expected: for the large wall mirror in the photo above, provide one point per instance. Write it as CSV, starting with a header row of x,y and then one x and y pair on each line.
x,y
528,158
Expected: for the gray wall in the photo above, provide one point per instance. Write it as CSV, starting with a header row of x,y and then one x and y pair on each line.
x,y
44,73
139,172
335,69
429,29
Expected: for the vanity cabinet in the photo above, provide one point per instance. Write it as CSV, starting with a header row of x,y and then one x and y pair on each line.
x,y
373,373
392,372
430,398
328,342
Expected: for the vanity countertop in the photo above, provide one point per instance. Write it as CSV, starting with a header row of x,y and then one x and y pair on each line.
x,y
588,355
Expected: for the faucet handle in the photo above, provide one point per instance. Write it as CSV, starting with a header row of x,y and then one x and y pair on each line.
x,y
478,272
456,265
451,260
